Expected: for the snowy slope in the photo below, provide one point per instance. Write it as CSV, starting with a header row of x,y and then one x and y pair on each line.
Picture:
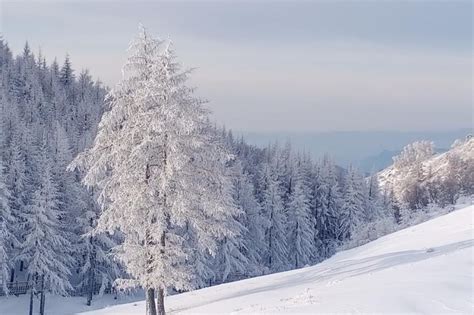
x,y
426,268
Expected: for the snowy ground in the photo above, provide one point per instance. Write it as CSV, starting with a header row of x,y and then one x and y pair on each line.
x,y
426,268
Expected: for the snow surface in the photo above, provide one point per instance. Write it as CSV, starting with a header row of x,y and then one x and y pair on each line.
x,y
427,268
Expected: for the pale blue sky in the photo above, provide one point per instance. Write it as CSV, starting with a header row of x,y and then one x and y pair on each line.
x,y
281,65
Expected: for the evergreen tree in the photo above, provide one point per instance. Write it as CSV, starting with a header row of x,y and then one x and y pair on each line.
x,y
230,259
45,242
352,211
373,200
254,223
66,74
276,256
7,236
159,170
301,224
328,203
98,268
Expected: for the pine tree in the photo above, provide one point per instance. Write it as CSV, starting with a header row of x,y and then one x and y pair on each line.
x,y
66,74
327,203
352,211
18,184
159,169
97,267
200,260
230,259
254,222
45,242
276,256
7,236
301,223
373,200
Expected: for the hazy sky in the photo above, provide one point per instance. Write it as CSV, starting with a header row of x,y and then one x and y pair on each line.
x,y
281,65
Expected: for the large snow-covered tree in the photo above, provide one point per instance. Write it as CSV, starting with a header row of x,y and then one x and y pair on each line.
x,y
160,171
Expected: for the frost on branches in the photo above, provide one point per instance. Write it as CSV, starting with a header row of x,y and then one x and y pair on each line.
x,y
46,242
160,171
7,236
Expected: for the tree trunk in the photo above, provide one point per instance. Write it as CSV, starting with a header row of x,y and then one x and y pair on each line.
x,y
150,302
43,297
161,301
31,301
90,290
161,291
91,283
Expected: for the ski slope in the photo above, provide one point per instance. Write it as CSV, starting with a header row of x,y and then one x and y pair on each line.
x,y
427,268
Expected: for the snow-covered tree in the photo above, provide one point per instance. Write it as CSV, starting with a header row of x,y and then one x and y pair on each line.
x,y
415,152
254,223
7,236
66,74
276,255
373,208
159,169
202,262
230,259
301,222
412,189
326,203
241,256
17,175
352,211
97,267
45,246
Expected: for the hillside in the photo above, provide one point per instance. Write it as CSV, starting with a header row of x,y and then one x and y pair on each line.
x,y
436,173
438,163
402,272
426,268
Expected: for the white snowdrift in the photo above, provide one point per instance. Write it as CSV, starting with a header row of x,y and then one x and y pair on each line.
x,y
426,268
